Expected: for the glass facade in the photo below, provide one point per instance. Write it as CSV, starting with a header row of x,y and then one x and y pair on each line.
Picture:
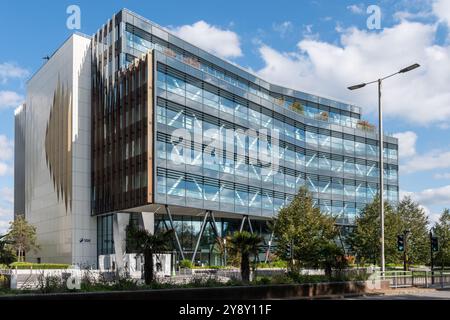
x,y
339,169
141,41
209,252
213,125
105,242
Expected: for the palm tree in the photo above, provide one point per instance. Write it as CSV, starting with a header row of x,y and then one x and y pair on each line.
x,y
245,244
143,242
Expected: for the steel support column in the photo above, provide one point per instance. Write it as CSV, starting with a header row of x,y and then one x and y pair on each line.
x,y
202,228
250,224
268,249
212,221
242,223
175,232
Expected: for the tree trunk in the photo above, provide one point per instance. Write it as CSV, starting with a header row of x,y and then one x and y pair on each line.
x,y
148,267
328,270
245,267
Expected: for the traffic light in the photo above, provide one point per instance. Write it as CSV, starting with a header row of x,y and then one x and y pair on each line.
x,y
434,244
401,243
289,251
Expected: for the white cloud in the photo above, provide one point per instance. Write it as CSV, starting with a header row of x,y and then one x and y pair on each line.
x,y
6,215
406,15
5,169
406,143
432,196
224,43
441,176
441,8
6,154
356,8
434,159
10,99
283,28
11,71
6,148
411,161
421,96
7,195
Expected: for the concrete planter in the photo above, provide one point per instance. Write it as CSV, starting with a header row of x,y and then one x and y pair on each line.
x,y
220,293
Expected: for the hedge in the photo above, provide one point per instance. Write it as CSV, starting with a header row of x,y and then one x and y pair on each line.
x,y
29,265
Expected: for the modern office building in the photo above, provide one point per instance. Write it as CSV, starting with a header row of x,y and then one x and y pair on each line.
x,y
134,125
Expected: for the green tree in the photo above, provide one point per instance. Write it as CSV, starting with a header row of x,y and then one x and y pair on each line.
x,y
22,237
442,232
365,240
245,244
309,233
143,242
413,218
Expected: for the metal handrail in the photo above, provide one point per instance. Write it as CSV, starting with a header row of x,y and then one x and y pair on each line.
x,y
402,279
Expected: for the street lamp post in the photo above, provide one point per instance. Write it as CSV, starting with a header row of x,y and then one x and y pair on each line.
x,y
405,251
380,149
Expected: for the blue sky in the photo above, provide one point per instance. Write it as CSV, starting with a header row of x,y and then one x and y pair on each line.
x,y
313,45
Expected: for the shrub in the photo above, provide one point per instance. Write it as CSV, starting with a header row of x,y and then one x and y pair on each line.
x,y
4,281
273,264
264,281
51,284
29,265
200,282
210,267
125,284
282,279
186,264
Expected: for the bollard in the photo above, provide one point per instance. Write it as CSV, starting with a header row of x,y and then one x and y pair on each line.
x,y
13,281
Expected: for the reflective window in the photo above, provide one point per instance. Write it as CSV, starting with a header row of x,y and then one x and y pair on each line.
x,y
194,189
211,192
193,92
210,99
226,106
324,141
311,161
324,163
175,85
311,137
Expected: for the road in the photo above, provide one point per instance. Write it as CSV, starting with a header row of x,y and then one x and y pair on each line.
x,y
411,294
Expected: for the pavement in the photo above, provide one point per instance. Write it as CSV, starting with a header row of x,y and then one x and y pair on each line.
x,y
406,294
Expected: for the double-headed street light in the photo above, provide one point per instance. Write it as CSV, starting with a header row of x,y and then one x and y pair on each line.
x,y
381,144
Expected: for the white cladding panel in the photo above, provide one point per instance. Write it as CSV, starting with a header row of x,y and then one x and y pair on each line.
x,y
57,180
